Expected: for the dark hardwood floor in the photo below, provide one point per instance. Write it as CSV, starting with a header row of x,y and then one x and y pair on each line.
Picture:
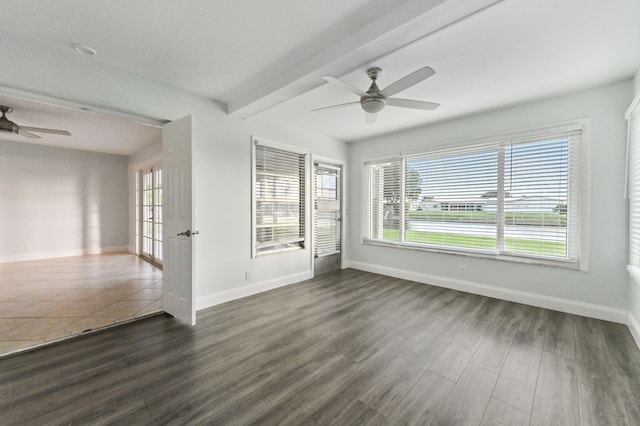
x,y
345,348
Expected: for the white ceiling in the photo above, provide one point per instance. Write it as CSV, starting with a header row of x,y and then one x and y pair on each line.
x,y
90,131
266,57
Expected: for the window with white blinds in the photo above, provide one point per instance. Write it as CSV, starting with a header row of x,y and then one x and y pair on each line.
x,y
515,196
633,116
279,198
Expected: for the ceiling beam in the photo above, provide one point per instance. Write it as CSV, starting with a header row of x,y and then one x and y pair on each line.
x,y
405,24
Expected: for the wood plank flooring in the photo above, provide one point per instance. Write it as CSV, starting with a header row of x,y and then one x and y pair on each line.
x,y
346,348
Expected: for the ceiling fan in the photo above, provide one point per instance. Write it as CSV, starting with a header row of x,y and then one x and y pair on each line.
x,y
374,99
7,125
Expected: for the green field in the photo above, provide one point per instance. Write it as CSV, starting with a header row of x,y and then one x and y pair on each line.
x,y
514,245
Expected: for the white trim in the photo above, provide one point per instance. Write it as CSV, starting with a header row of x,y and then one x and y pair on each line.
x,y
632,106
554,303
634,328
83,106
258,141
224,296
67,253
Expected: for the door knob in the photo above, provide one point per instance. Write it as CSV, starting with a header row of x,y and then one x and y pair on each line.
x,y
188,233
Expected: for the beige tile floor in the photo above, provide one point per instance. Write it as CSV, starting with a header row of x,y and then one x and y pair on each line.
x,y
46,300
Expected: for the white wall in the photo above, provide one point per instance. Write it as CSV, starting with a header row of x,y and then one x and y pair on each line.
x,y
223,217
60,202
221,157
150,155
605,285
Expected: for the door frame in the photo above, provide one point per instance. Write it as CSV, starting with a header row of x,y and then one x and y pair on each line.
x,y
110,112
344,211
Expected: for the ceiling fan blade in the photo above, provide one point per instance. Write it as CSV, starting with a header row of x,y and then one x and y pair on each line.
x,y
410,103
407,81
30,135
41,130
371,118
339,83
337,106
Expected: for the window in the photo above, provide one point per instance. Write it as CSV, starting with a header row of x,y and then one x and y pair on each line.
x,y
279,198
513,196
633,115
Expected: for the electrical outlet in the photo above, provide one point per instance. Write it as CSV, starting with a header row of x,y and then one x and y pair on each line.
x,y
247,276
27,246
462,270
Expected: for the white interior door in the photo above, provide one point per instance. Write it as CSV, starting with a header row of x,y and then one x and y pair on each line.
x,y
178,292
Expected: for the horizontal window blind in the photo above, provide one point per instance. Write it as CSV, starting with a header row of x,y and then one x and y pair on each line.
x,y
450,197
634,191
279,199
542,183
383,196
513,196
327,210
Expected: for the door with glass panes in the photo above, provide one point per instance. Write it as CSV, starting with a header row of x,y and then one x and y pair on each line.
x,y
327,218
150,215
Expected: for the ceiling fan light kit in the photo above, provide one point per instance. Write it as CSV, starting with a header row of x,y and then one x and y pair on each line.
x,y
374,100
9,126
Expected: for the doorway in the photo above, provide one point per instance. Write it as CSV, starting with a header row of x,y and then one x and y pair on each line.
x,y
327,217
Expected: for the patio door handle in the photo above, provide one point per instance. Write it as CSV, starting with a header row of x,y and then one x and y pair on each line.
x,y
188,233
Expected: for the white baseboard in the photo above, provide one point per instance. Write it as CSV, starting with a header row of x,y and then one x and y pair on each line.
x,y
634,328
557,304
249,290
66,253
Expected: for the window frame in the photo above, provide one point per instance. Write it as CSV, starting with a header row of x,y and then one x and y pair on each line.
x,y
582,217
632,186
303,202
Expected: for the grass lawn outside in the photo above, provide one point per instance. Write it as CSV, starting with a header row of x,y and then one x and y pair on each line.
x,y
513,245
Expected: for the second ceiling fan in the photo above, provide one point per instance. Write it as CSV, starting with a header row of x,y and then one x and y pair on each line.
x,y
374,100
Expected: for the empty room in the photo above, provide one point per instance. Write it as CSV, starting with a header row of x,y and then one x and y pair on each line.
x,y
360,212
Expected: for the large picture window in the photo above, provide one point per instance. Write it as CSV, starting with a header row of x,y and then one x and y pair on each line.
x,y
279,198
516,196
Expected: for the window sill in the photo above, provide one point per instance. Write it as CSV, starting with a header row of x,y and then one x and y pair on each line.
x,y
277,251
488,254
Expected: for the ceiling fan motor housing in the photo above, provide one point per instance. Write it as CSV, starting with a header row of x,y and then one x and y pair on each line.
x,y
7,125
375,101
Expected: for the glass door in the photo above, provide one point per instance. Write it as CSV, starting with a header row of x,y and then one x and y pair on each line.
x,y
150,215
327,218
